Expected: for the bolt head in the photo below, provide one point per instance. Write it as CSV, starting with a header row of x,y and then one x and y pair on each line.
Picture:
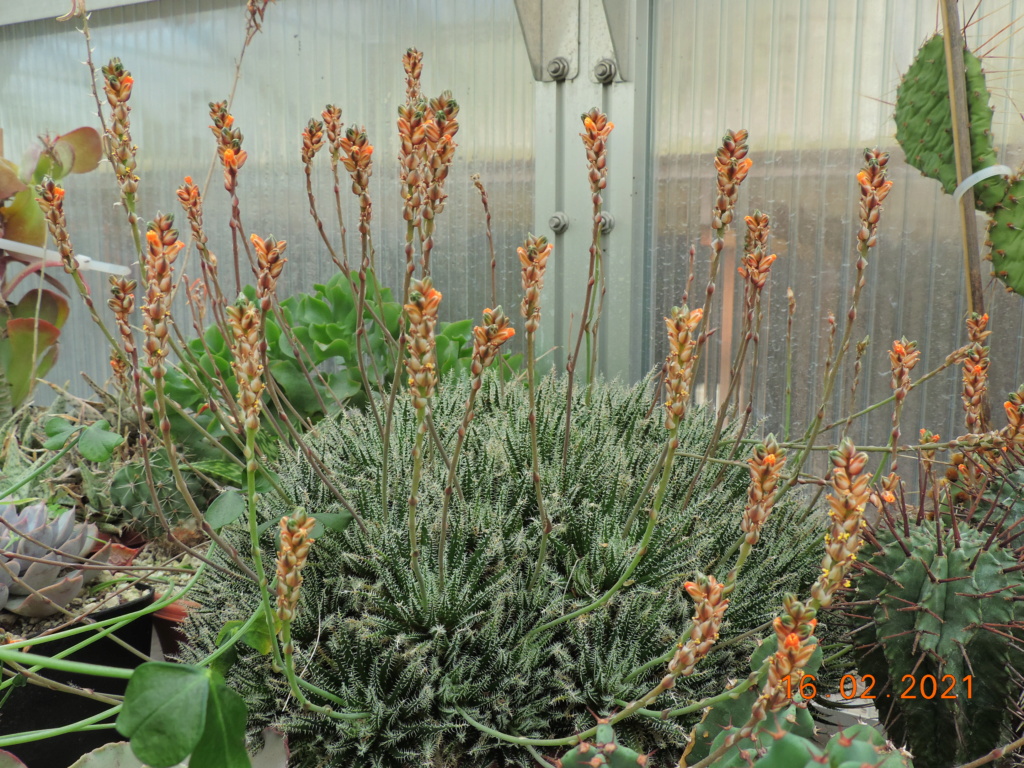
x,y
605,71
558,68
558,222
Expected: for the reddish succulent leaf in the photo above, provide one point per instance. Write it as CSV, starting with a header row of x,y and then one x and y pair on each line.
x,y
25,335
33,265
23,221
53,308
177,611
10,184
86,149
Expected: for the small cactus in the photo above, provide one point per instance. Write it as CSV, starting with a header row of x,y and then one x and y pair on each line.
x,y
939,606
605,750
858,745
35,589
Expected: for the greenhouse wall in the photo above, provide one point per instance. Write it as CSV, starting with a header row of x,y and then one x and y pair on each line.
x,y
812,81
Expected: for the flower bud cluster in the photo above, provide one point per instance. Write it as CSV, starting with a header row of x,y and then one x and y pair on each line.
x,y
873,189
682,345
709,604
244,320
732,166
333,125
51,202
975,372
421,312
312,141
117,85
270,263
162,247
596,128
794,632
359,164
487,340
122,304
291,558
229,143
846,511
756,260
766,465
533,256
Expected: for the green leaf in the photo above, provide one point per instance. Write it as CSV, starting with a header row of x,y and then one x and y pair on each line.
x,y
459,331
52,307
10,184
23,220
256,637
98,442
164,711
221,470
116,755
58,430
7,760
332,521
226,508
223,741
28,337
86,149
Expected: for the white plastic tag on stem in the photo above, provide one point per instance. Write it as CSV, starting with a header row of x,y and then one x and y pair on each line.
x,y
84,262
974,178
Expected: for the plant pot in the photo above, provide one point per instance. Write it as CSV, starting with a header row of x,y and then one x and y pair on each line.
x,y
31,707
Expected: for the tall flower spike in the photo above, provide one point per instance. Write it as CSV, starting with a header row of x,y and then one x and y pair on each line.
x,y
975,373
766,465
682,343
358,162
533,256
312,140
846,511
596,129
229,143
270,262
421,311
333,125
756,260
51,202
902,358
413,65
122,304
732,166
291,558
117,85
873,189
245,327
709,606
162,249
794,632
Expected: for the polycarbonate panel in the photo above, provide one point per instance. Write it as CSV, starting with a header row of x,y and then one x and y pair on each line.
x,y
182,54
814,81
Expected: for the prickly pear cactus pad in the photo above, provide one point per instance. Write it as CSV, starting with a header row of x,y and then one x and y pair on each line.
x,y
1006,238
924,124
940,622
364,632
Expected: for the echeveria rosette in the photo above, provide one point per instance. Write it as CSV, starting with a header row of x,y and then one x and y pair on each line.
x,y
37,589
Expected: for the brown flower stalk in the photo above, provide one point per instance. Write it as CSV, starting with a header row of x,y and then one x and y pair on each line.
x,y
191,200
421,313
902,358
333,125
766,465
487,341
874,187
291,558
681,359
846,510
975,373
122,304
533,256
232,158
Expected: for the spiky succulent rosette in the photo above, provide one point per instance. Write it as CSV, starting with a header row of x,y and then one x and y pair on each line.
x,y
362,632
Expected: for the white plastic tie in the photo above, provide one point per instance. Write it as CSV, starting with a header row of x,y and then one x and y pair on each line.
x,y
974,178
84,262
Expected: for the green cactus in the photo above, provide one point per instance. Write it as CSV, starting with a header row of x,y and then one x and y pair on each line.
x,y
132,500
604,751
924,123
34,589
924,128
941,613
858,745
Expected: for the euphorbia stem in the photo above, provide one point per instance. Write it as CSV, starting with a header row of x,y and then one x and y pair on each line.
x,y
417,469
545,523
